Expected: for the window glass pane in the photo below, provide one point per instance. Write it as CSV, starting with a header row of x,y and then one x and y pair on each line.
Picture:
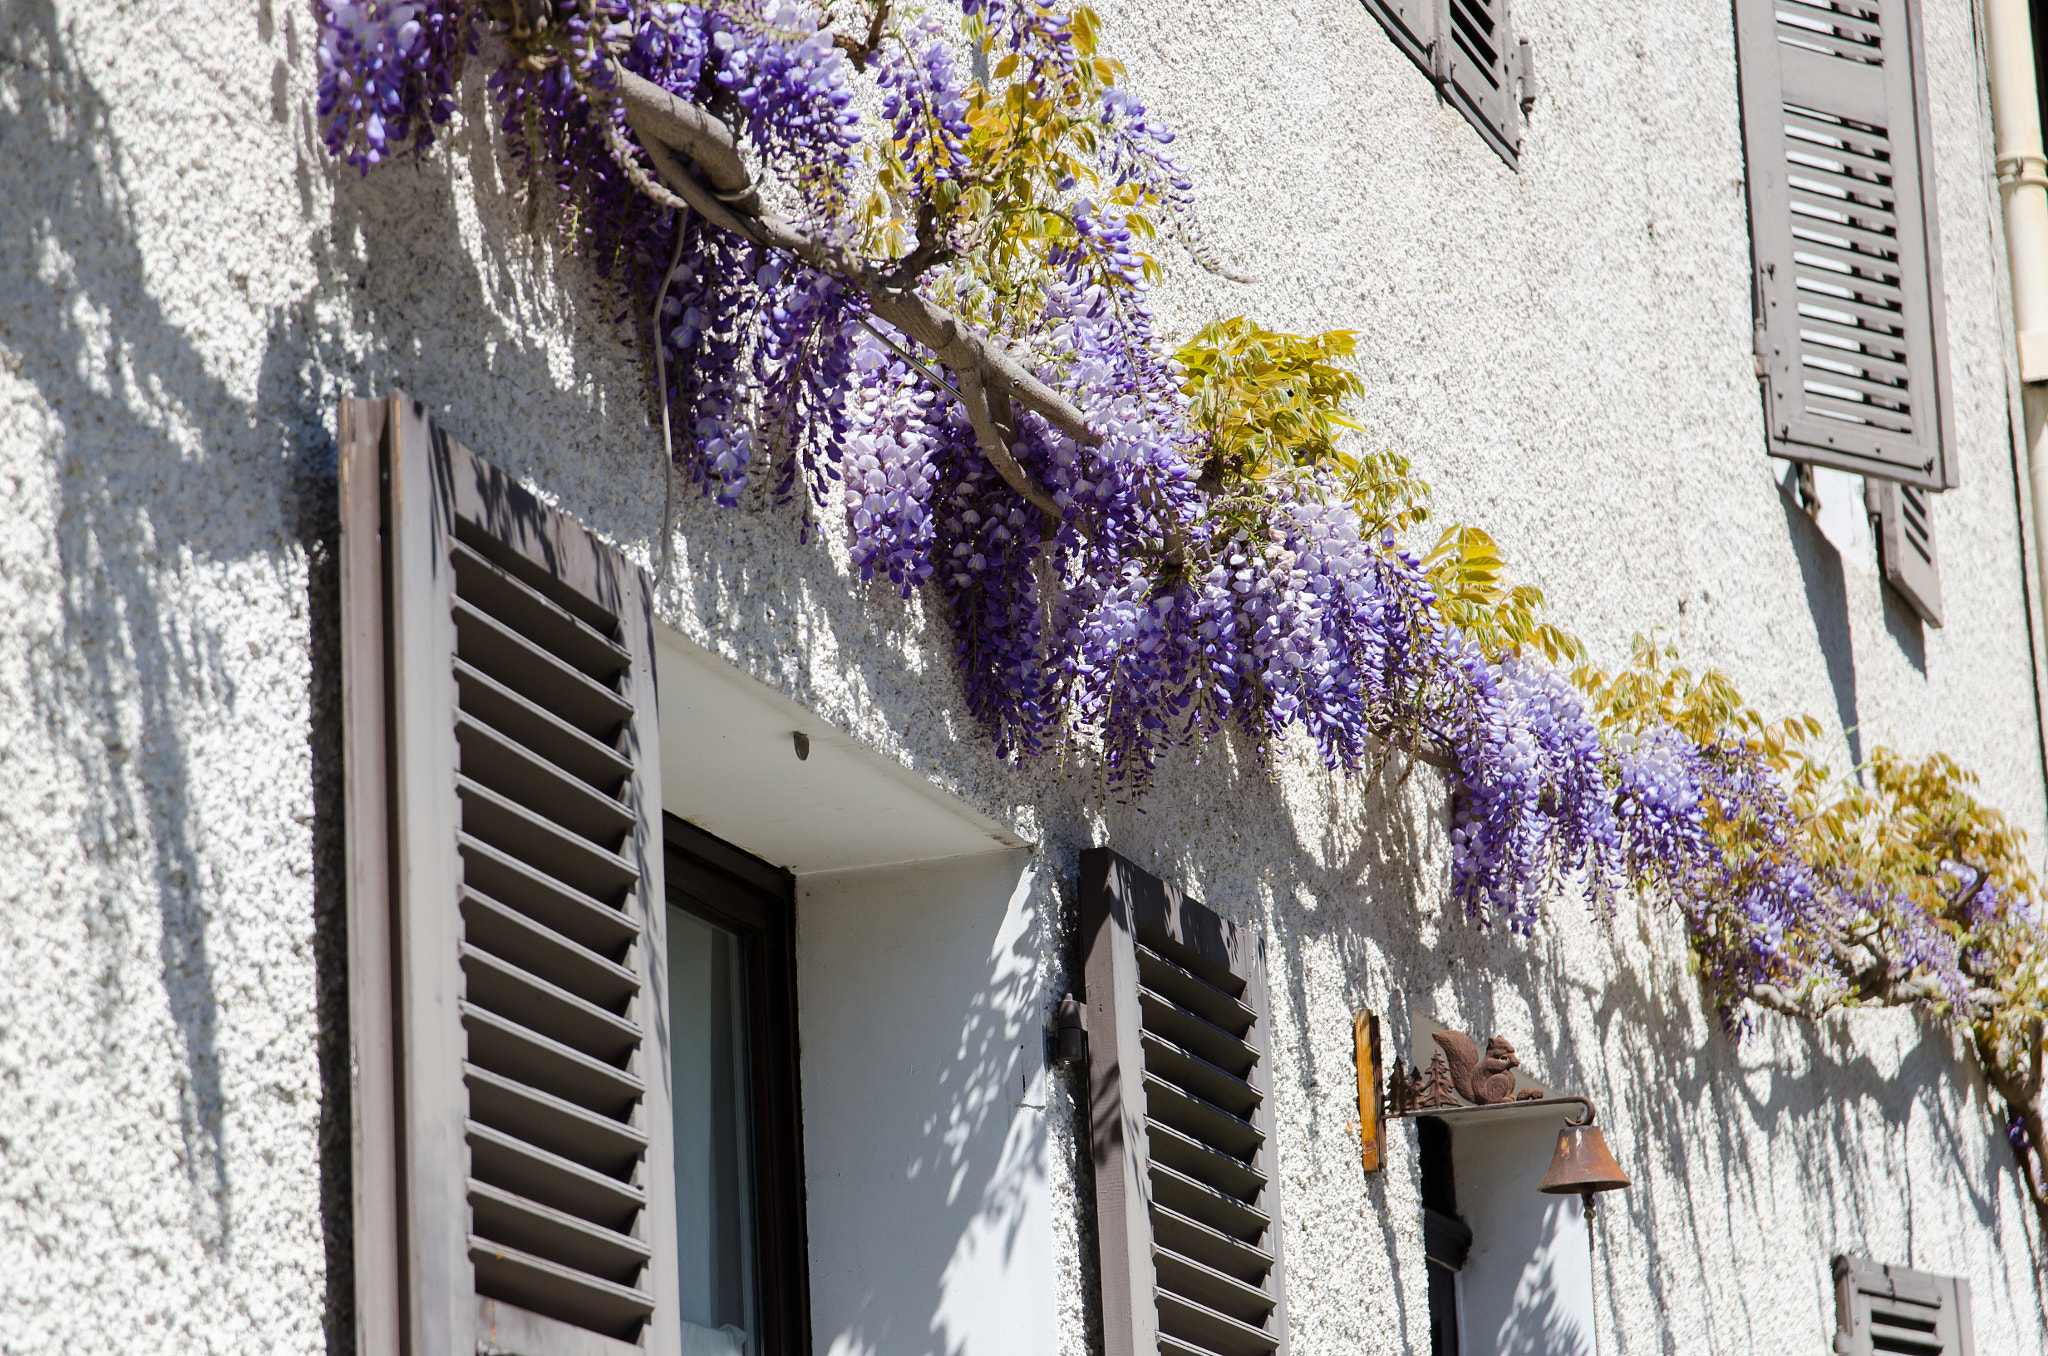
x,y
714,1136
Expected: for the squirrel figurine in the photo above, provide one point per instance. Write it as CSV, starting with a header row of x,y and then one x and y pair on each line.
x,y
1479,1081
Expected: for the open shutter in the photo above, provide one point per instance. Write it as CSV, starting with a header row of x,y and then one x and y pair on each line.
x,y
1467,50
1479,63
1880,1309
1848,263
1186,1186
1902,518
506,950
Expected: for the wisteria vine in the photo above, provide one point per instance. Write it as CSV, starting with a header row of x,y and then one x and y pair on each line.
x,y
1103,579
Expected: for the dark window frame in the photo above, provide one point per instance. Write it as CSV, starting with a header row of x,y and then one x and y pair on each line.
x,y
1446,1237
710,878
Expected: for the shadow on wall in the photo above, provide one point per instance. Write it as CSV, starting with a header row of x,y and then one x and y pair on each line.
x,y
1827,600
164,482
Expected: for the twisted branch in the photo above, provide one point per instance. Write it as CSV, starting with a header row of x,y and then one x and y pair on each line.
x,y
674,131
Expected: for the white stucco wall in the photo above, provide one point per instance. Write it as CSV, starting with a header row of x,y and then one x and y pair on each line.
x,y
187,286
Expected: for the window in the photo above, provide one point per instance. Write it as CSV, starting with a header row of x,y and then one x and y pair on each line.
x,y
1850,345
1186,1184
1880,1309
738,1132
1468,50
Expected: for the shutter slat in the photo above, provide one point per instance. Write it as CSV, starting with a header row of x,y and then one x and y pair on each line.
x,y
538,841
519,1278
506,1217
540,730
1850,176
1195,1033
1849,20
1845,278
1188,1155
1809,129
1192,992
1853,316
1203,1329
504,1160
1204,1120
1193,1239
1225,1294
546,1008
602,927
1865,238
554,1124
1822,372
490,646
505,765
1199,1076
1866,415
1827,343
1202,1202
534,947
503,1046
545,622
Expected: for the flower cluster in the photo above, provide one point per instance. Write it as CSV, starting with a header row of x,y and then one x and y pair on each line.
x,y
899,437
925,102
387,75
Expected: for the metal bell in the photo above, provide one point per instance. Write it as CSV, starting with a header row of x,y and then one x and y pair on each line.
x,y
1582,1165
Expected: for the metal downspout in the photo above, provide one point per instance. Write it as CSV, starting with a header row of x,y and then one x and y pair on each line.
x,y
2023,189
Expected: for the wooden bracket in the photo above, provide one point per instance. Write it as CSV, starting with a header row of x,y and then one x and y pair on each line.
x,y
1365,1035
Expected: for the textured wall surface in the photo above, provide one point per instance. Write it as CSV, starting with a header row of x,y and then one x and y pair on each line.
x,y
187,286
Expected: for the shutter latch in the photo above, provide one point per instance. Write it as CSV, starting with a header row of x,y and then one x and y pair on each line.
x,y
1525,71
1069,1034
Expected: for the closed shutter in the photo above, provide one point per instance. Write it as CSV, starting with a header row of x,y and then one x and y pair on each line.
x,y
1186,1187
506,952
1848,262
1467,50
1895,1309
1903,519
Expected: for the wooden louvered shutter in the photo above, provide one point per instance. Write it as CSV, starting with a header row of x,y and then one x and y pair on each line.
x,y
1904,523
506,948
1880,1309
1848,262
1468,51
1479,61
1186,1186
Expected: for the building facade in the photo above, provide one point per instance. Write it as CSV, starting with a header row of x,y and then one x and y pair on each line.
x,y
203,319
